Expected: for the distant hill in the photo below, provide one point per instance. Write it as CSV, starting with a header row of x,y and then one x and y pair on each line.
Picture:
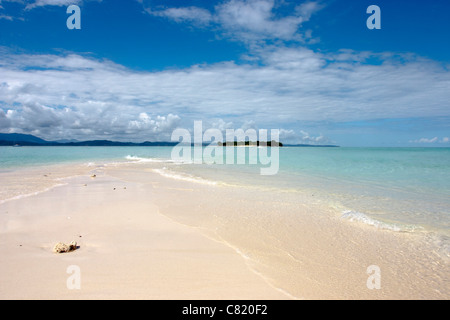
x,y
66,141
12,139
107,143
21,139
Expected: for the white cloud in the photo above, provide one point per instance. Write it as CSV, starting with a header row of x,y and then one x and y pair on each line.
x,y
425,140
195,15
445,140
247,20
32,4
5,17
252,20
159,125
306,138
41,3
70,95
308,8
220,124
287,134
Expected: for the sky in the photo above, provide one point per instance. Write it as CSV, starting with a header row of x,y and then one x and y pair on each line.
x,y
138,69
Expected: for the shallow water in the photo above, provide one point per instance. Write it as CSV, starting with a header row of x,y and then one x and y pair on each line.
x,y
402,189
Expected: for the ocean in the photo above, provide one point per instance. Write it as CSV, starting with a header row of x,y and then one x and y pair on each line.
x,y
401,189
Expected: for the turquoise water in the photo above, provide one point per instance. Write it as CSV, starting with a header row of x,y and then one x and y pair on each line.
x,y
404,189
19,157
407,188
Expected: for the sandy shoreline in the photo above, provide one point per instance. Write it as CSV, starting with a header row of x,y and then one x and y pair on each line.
x,y
145,236
127,249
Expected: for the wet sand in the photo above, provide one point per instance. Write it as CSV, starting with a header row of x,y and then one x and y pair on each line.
x,y
127,249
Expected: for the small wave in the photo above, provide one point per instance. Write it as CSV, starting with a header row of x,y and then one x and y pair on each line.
x,y
441,243
140,159
355,216
185,177
26,195
154,160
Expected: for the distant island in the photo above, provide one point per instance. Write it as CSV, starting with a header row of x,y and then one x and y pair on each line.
x,y
18,139
250,143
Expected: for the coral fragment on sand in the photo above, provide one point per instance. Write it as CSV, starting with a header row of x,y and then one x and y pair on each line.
x,y
62,247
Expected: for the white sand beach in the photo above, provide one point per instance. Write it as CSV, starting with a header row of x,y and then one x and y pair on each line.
x,y
127,250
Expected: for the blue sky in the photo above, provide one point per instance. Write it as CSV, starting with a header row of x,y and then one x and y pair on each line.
x,y
139,69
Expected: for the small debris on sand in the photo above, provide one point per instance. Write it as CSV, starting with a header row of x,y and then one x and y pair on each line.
x,y
94,176
62,247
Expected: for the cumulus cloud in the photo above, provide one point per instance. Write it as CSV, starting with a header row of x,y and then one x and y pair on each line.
x,y
60,123
157,126
302,137
247,20
194,15
41,3
308,139
74,96
32,4
254,19
287,135
220,124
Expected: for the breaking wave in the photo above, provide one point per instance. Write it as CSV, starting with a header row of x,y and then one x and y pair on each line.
x,y
184,177
355,216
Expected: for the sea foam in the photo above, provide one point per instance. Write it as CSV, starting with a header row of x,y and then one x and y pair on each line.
x,y
355,216
184,177
154,160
